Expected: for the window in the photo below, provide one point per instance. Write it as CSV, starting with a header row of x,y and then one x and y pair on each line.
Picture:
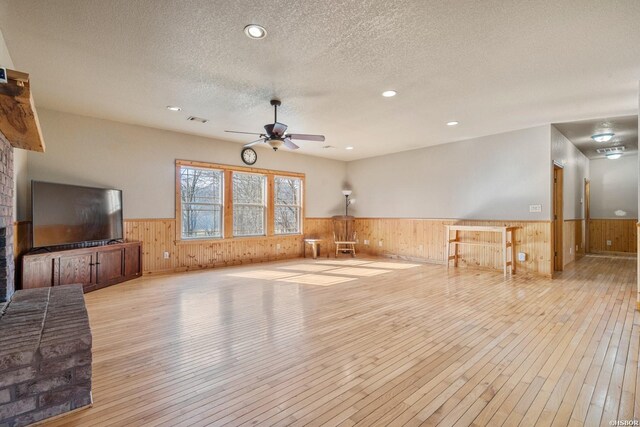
x,y
287,205
249,205
201,202
215,201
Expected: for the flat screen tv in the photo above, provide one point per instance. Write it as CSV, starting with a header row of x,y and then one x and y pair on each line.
x,y
66,214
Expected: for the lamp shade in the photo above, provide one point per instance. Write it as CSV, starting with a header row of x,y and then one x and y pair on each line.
x,y
346,192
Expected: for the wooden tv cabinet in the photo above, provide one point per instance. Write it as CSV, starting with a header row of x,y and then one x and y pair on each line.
x,y
96,267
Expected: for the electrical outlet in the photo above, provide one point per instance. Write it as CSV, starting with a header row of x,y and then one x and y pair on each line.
x,y
366,242
3,75
166,255
380,243
570,251
608,242
522,257
278,246
535,208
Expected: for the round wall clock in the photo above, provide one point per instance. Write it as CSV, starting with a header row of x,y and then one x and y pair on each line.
x,y
249,156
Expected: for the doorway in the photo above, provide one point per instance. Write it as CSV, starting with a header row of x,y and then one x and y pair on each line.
x,y
558,219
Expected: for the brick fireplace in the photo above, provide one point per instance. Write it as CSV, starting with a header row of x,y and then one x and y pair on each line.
x,y
45,337
7,267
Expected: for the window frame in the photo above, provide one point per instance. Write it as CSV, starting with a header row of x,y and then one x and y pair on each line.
x,y
264,204
227,197
300,206
221,204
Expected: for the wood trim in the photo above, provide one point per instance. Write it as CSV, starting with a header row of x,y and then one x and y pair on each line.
x,y
207,165
227,203
19,122
532,221
270,205
558,218
233,239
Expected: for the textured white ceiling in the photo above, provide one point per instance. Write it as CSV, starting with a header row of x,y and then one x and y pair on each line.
x,y
580,132
492,65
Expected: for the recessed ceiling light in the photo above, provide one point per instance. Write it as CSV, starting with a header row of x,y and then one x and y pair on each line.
x,y
255,31
453,123
197,119
389,93
603,137
173,108
348,148
614,156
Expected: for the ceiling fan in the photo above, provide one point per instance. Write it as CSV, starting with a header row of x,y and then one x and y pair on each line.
x,y
275,135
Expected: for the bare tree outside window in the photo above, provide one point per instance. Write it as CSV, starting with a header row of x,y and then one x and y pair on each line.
x,y
201,197
249,205
287,205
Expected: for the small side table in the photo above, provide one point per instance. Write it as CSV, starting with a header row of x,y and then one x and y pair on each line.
x,y
315,247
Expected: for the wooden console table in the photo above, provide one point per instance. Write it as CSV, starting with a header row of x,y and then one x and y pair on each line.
x,y
507,242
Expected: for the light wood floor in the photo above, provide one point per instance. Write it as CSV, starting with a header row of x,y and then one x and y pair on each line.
x,y
366,342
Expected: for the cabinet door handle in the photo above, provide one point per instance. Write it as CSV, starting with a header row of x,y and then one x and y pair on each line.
x,y
97,263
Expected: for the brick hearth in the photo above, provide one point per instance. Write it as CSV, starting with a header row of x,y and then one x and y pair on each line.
x,y
45,355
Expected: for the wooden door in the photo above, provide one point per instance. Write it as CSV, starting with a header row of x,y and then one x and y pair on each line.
x,y
73,269
587,213
132,266
109,266
558,219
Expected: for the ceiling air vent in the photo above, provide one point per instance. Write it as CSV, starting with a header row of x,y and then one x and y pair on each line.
x,y
610,150
197,119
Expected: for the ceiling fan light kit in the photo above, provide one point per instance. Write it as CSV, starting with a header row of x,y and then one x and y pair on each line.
x,y
275,135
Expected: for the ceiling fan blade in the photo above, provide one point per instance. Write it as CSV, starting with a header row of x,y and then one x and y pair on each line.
x,y
305,137
253,142
289,144
279,129
246,133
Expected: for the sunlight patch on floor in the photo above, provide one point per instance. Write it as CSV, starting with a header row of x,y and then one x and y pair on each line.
x,y
343,262
264,274
358,271
308,267
317,279
391,265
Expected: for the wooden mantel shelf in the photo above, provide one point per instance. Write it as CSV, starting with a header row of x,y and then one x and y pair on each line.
x,y
18,118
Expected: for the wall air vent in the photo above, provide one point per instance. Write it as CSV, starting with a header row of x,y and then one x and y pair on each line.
x,y
611,150
197,119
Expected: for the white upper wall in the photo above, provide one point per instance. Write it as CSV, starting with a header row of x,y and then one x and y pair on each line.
x,y
492,177
575,171
614,186
141,162
5,57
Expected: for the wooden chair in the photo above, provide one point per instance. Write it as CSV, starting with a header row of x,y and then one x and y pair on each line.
x,y
346,244
344,235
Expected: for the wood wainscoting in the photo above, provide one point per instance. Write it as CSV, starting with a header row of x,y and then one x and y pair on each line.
x,y
158,236
573,240
424,240
621,232
413,239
